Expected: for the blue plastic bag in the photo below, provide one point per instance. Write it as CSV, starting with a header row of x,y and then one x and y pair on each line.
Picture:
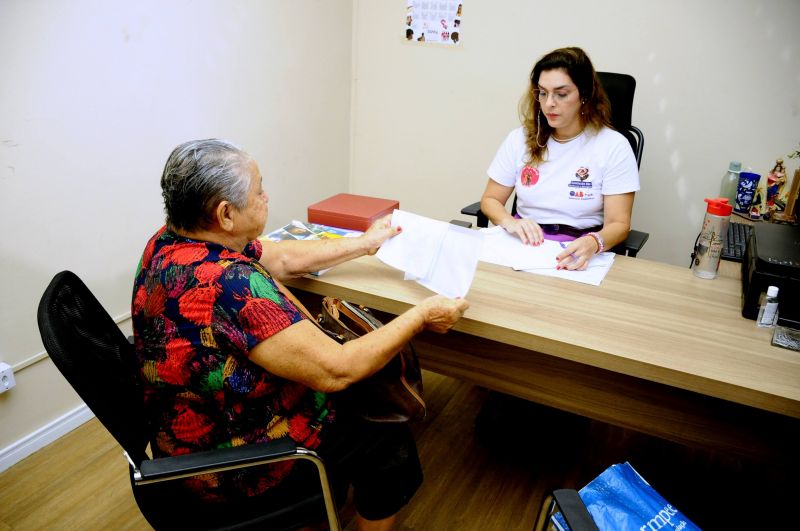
x,y
619,499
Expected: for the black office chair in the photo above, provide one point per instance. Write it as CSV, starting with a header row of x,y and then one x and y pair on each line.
x,y
98,361
620,89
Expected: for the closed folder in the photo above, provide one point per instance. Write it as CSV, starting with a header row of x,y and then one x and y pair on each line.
x,y
349,211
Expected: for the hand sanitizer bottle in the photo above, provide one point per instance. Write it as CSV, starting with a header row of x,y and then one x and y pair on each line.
x,y
768,313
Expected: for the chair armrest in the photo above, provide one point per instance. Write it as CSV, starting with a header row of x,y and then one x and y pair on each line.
x,y
471,210
569,503
475,210
176,467
461,223
574,511
635,241
168,468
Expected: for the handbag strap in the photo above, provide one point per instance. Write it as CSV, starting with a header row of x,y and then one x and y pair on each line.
x,y
363,322
289,295
360,316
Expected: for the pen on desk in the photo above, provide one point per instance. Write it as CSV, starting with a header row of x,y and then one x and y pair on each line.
x,y
564,246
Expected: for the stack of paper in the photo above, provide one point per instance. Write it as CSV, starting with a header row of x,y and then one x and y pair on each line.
x,y
438,255
506,249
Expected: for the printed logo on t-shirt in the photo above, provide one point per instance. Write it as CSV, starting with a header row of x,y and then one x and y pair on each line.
x,y
582,174
529,176
580,194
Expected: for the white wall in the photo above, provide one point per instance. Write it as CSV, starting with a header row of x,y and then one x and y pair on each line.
x,y
717,80
93,97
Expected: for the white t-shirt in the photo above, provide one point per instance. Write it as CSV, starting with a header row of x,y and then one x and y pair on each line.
x,y
568,187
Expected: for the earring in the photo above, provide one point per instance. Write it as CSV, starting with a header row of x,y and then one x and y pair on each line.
x,y
538,127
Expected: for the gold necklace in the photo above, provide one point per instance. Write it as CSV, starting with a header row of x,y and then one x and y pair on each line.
x,y
566,139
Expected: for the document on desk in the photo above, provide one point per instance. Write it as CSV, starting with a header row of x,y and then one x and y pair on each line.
x,y
594,274
502,248
438,255
505,249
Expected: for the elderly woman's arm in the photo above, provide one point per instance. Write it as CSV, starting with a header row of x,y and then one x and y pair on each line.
x,y
289,259
303,353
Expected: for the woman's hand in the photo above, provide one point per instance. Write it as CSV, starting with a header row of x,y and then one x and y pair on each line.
x,y
526,229
441,313
577,254
379,232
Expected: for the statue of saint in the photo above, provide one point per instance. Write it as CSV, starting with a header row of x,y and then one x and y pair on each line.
x,y
776,179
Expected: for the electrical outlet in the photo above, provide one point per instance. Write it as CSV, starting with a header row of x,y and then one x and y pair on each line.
x,y
6,377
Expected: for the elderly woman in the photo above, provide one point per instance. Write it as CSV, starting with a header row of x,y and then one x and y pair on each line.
x,y
574,176
226,359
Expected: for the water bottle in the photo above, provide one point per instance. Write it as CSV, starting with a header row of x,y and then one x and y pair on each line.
x,y
730,182
707,249
768,313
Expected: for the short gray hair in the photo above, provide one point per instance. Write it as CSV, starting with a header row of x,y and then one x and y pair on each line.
x,y
199,175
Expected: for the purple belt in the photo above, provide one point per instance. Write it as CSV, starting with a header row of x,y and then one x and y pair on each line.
x,y
567,230
560,232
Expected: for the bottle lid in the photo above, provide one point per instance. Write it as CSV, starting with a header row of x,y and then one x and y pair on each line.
x,y
735,166
772,291
718,206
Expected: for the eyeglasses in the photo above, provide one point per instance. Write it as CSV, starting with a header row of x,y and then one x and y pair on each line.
x,y
558,97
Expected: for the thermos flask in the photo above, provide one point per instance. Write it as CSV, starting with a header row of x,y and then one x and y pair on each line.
x,y
708,248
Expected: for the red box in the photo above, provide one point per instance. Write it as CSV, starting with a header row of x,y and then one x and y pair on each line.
x,y
348,211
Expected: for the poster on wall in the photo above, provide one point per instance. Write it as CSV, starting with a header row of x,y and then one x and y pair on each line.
x,y
434,21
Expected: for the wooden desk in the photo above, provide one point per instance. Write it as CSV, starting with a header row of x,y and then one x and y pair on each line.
x,y
654,349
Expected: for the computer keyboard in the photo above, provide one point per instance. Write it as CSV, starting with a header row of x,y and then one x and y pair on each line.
x,y
735,242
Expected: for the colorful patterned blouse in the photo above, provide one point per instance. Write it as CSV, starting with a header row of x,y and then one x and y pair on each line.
x,y
198,310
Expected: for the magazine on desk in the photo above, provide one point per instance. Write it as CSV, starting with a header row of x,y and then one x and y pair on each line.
x,y
299,230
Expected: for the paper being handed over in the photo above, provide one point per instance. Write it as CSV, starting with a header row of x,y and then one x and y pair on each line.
x,y
438,255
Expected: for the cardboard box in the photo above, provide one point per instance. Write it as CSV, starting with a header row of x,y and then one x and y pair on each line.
x,y
349,211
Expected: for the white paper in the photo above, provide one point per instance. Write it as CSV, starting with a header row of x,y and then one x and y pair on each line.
x,y
414,250
454,268
594,273
506,249
438,255
502,248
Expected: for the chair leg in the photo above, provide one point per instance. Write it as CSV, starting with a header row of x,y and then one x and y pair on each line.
x,y
327,493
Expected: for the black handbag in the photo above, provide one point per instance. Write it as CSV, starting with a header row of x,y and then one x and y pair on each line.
x,y
394,393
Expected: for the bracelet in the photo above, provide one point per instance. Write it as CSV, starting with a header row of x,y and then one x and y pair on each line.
x,y
599,239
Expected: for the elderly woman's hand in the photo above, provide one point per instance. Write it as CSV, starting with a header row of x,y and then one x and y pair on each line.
x,y
577,254
441,313
526,230
379,232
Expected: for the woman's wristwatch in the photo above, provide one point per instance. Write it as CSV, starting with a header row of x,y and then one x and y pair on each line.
x,y
599,240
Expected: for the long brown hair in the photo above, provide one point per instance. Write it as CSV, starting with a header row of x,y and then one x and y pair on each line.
x,y
595,108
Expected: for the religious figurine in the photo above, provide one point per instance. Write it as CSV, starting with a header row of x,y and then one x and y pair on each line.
x,y
758,208
776,179
790,198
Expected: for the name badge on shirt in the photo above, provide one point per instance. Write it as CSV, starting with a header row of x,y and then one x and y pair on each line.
x,y
583,175
529,176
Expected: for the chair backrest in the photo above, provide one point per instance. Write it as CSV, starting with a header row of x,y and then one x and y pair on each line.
x,y
620,89
93,354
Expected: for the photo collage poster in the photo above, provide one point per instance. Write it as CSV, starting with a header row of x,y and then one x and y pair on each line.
x,y
434,21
